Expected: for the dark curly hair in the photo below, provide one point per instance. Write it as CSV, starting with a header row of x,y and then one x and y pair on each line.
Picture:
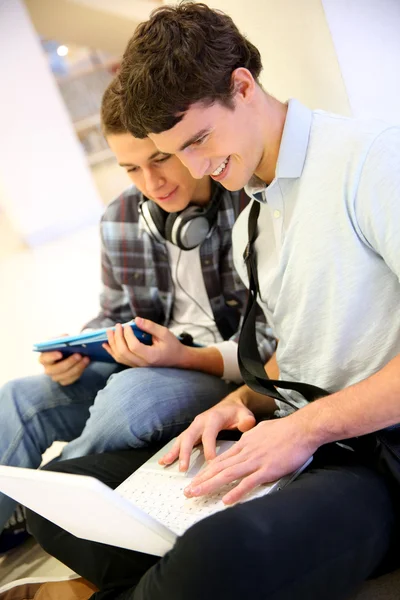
x,y
183,54
110,111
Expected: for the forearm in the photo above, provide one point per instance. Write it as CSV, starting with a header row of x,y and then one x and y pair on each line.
x,y
220,359
357,410
272,368
207,360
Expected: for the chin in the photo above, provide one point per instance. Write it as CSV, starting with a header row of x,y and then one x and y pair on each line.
x,y
174,208
233,185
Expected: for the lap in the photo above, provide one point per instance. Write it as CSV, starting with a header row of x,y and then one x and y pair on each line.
x,y
39,411
144,406
39,392
322,536
160,384
318,538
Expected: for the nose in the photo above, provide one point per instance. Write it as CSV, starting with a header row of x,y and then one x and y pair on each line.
x,y
153,180
196,165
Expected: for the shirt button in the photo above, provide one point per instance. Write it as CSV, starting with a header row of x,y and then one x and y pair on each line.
x,y
277,214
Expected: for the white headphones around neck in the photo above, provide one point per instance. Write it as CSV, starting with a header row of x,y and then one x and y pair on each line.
x,y
186,229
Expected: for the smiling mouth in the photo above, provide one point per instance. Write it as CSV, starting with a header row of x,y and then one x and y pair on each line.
x,y
167,196
221,169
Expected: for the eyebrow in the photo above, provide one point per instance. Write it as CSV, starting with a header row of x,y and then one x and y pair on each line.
x,y
194,138
157,153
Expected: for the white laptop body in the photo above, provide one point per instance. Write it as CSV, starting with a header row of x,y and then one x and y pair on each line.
x,y
146,513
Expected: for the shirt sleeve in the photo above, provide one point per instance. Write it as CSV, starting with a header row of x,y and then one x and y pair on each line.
x,y
114,301
228,351
377,203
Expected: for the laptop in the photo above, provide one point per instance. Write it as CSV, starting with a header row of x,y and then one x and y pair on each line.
x,y
146,513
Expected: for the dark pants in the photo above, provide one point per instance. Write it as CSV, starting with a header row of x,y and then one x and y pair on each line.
x,y
316,540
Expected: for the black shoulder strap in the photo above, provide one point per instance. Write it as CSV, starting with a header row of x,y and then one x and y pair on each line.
x,y
244,199
240,201
250,363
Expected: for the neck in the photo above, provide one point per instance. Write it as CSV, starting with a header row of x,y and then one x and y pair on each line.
x,y
202,193
272,116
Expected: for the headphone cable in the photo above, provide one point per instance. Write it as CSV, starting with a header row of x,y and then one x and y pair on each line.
x,y
193,300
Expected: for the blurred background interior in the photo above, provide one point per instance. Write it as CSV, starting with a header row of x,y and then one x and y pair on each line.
x,y
57,172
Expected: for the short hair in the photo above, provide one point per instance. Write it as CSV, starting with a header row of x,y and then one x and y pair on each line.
x,y
110,112
182,55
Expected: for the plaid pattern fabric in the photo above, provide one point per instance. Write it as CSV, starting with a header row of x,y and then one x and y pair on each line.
x,y
136,275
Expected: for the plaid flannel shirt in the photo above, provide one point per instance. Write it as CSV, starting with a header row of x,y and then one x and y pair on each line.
x,y
136,275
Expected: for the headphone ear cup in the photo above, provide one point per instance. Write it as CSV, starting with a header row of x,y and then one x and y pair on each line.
x,y
190,227
187,229
169,223
155,219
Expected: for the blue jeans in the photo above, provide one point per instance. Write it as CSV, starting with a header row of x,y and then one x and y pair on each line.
x,y
108,408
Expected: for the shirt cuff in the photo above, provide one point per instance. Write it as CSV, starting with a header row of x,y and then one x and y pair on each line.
x,y
229,351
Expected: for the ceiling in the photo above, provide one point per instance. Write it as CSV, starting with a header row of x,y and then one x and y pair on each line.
x,y
99,24
137,10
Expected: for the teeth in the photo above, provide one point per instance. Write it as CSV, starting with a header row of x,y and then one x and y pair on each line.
x,y
221,167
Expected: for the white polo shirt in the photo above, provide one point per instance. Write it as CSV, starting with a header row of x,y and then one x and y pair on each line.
x,y
328,248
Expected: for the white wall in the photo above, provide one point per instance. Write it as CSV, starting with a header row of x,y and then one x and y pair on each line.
x,y
47,189
339,55
366,35
298,55
110,179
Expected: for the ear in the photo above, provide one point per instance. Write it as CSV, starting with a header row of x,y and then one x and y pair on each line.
x,y
243,84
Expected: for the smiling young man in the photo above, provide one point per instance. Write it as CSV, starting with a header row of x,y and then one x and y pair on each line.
x,y
328,254
166,260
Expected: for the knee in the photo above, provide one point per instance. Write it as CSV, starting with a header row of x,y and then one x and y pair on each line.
x,y
131,411
131,393
23,394
12,389
131,384
13,398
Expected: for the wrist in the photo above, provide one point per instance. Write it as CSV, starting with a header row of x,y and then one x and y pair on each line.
x,y
313,419
258,404
246,396
235,398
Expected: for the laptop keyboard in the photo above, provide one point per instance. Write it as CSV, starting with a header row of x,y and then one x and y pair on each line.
x,y
160,495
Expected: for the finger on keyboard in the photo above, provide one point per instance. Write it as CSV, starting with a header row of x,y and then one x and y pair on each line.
x,y
209,440
187,445
172,455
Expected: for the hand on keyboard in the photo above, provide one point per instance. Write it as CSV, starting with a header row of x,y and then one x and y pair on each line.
x,y
230,413
271,450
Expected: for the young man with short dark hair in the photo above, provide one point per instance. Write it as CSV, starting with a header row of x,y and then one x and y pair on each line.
x,y
166,261
328,254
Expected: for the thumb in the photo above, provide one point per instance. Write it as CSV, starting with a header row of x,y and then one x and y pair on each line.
x,y
148,326
246,421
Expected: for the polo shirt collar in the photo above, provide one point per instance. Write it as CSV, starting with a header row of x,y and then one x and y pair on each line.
x,y
292,151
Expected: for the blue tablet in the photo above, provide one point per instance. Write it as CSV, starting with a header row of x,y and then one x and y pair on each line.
x,y
89,343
